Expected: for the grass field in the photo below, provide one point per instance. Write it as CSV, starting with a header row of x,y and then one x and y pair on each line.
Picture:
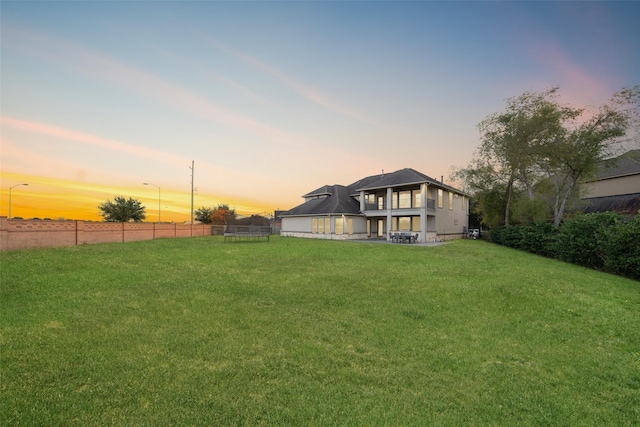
x,y
304,332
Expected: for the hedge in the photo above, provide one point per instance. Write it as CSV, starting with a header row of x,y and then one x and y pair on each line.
x,y
605,241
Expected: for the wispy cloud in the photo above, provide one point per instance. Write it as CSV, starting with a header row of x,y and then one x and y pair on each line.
x,y
90,139
145,83
578,84
306,91
12,153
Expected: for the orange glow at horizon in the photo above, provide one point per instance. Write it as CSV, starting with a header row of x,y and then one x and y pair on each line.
x,y
65,199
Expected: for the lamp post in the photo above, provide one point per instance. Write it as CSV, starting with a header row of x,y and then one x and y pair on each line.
x,y
148,183
11,188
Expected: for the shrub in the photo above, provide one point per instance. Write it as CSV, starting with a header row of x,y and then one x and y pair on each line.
x,y
603,241
621,248
579,240
540,238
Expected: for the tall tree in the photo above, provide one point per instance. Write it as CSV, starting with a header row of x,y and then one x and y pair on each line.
x,y
538,139
585,142
510,138
122,210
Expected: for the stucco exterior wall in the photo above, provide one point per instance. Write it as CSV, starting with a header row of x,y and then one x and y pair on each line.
x,y
452,221
296,225
302,227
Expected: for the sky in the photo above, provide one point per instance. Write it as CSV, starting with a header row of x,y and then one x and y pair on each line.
x,y
271,100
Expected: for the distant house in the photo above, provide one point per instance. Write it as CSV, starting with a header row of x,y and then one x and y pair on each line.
x,y
616,186
378,207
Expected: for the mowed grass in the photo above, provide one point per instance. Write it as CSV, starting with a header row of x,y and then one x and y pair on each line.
x,y
306,332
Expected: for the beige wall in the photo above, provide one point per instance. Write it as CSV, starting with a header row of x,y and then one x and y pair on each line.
x,y
26,234
452,221
611,187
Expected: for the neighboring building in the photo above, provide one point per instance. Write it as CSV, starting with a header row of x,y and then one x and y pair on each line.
x,y
377,206
616,186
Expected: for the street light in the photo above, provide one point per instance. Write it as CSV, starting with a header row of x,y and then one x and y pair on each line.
x,y
11,188
148,183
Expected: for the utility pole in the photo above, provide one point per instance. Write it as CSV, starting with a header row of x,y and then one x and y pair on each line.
x,y
192,164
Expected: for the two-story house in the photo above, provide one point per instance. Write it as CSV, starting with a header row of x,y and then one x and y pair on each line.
x,y
379,207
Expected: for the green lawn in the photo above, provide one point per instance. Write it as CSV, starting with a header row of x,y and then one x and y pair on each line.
x,y
305,332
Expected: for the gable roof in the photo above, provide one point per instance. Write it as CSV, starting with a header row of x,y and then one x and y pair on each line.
x,y
337,202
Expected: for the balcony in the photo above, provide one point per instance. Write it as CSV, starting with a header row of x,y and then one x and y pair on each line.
x,y
431,206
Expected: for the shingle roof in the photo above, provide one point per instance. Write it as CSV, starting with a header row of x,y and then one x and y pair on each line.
x,y
625,164
338,199
325,190
405,176
628,204
337,202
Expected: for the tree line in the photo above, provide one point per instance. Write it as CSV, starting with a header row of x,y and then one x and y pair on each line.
x,y
122,209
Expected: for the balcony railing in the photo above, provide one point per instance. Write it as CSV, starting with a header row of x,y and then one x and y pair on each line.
x,y
431,206
372,207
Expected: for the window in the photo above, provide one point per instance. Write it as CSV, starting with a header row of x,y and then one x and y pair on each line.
x,y
339,226
380,202
404,199
450,200
404,223
440,198
394,200
417,198
350,225
327,225
320,225
314,225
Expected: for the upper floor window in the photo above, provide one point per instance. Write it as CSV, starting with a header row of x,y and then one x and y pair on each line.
x,y
450,200
404,199
440,198
417,198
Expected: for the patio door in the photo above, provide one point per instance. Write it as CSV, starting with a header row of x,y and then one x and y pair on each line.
x,y
381,228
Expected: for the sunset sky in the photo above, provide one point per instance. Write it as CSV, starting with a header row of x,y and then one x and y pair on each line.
x,y
274,99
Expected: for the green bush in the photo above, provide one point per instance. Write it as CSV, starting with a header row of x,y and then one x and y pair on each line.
x,y
538,238
580,239
621,248
603,241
